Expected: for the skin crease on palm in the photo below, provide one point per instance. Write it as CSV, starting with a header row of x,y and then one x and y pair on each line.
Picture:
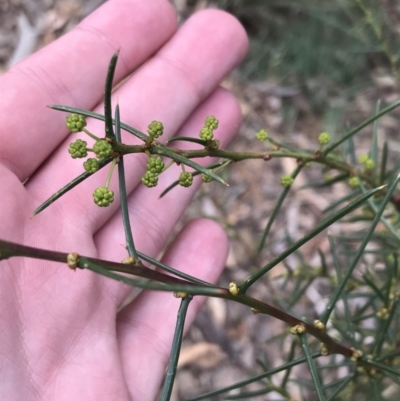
x,y
62,334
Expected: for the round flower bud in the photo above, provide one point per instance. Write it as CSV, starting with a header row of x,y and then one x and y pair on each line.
x,y
211,122
206,134
354,182
324,138
363,158
369,164
72,260
103,197
155,129
319,325
206,178
102,149
75,122
91,165
383,313
78,149
262,135
213,145
297,329
185,179
150,179
286,181
155,164
233,288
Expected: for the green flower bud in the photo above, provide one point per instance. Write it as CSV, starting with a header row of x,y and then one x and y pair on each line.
x,y
102,149
185,179
206,178
155,164
75,122
211,122
369,164
78,149
324,138
363,158
354,182
383,313
206,134
390,257
91,165
262,135
286,180
150,179
103,197
155,129
213,145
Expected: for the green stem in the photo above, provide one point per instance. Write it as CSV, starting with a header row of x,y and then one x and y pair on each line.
x,y
326,223
110,172
254,379
341,387
360,127
68,187
383,332
360,251
107,96
123,194
96,138
276,211
165,282
313,370
175,350
288,371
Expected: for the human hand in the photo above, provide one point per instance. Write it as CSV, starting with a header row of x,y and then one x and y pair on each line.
x,y
63,335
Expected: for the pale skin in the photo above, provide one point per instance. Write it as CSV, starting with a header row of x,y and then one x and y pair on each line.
x,y
63,336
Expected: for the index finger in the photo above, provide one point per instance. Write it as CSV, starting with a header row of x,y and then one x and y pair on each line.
x,y
70,71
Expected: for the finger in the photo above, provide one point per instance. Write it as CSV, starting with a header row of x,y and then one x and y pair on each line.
x,y
168,88
153,219
145,328
71,71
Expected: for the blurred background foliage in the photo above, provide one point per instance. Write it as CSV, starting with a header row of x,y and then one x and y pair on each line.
x,y
328,49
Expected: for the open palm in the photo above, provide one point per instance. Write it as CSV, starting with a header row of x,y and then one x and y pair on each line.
x,y
63,335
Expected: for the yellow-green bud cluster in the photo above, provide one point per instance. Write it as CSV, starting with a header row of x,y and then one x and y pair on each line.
x,y
286,181
324,138
262,135
150,179
78,149
91,165
298,329
103,197
185,179
75,122
354,182
206,178
102,149
155,164
363,158
383,313
207,132
211,122
369,164
155,129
